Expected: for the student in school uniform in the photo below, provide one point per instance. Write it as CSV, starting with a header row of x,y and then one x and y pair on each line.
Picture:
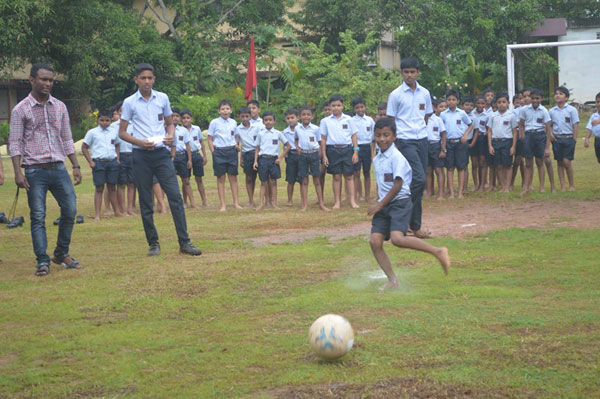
x,y
519,163
479,119
126,179
381,111
267,158
436,136
326,114
103,142
535,129
307,140
223,145
291,160
502,139
468,106
247,136
181,154
255,119
392,213
196,146
458,126
593,127
340,149
489,96
366,148
149,111
565,124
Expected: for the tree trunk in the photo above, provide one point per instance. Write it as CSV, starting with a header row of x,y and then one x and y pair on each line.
x,y
445,60
520,78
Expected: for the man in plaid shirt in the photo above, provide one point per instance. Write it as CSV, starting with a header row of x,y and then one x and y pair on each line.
x,y
40,140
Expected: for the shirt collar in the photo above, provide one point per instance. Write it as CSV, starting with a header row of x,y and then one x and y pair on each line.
x,y
387,153
33,101
138,95
406,87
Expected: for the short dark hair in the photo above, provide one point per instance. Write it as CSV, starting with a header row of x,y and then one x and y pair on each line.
x,y
563,90
255,102
268,113
502,95
176,110
438,101
358,100
529,89
336,97
224,102
467,99
37,66
515,97
291,111
381,106
488,90
597,96
536,92
105,112
244,110
453,93
479,97
410,62
186,112
117,106
139,68
306,108
386,122
326,104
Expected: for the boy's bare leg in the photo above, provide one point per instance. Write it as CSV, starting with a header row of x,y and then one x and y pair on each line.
x,y
264,185
484,173
201,190
441,253
317,183
429,182
134,195
98,201
450,183
304,194
160,198
539,162
507,172
351,191
107,209
569,168
376,242
290,194
250,185
561,174
515,169
337,191
187,188
439,172
550,170
357,186
528,175
131,198
221,191
322,179
492,180
273,186
367,179
475,172
234,191
121,199
462,176
465,182
112,194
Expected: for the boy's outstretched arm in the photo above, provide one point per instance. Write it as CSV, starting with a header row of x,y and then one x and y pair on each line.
x,y
388,198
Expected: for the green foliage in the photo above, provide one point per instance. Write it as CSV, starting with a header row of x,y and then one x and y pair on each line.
x,y
4,131
204,107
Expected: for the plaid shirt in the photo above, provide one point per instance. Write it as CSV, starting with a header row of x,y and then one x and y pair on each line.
x,y
40,133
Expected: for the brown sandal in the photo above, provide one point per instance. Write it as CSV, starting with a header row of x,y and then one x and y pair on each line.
x,y
71,263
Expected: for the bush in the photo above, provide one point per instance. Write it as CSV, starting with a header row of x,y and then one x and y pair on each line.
x,y
4,131
204,108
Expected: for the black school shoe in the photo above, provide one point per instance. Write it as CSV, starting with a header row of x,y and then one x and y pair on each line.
x,y
154,250
16,222
3,218
190,249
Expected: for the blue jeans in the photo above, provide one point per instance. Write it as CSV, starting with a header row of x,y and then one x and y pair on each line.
x,y
58,181
416,153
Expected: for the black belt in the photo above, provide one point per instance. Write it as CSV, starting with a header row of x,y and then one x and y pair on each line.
x,y
566,136
339,145
535,131
493,139
268,156
309,151
103,159
180,152
46,165
225,148
453,140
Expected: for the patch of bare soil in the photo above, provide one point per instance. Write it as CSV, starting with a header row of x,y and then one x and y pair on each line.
x,y
468,219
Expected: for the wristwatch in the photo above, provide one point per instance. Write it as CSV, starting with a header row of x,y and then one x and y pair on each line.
x,y
356,148
77,166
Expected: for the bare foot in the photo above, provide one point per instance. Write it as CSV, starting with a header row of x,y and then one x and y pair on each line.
x,y
323,207
510,188
542,190
440,198
367,200
238,206
223,208
572,188
354,205
121,215
444,259
96,218
275,207
205,204
131,211
249,204
193,206
108,213
336,205
163,212
553,190
524,192
289,203
304,208
478,189
388,285
260,207
562,189
460,196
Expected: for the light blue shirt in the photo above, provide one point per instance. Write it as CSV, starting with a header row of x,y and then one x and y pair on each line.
x,y
502,125
366,129
222,131
388,166
181,138
338,131
290,136
258,122
408,109
480,121
102,142
308,137
248,136
147,117
268,141
595,129
535,119
196,137
563,119
435,127
457,122
124,146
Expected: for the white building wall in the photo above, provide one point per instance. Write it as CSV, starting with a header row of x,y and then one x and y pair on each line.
x,y
578,65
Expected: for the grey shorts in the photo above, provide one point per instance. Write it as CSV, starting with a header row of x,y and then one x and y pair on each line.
x,y
340,160
225,161
395,216
433,154
502,155
267,168
308,164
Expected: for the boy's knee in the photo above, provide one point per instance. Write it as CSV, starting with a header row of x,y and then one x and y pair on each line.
x,y
100,189
376,241
397,239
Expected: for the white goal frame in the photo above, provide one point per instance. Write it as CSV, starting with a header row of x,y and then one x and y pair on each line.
x,y
510,57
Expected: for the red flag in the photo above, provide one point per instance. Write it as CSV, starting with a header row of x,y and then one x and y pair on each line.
x,y
251,73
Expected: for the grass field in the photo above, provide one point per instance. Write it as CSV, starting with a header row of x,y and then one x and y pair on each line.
x,y
517,317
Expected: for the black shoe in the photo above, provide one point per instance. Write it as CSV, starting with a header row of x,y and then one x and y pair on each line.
x,y
56,221
79,219
190,249
154,250
16,222
3,218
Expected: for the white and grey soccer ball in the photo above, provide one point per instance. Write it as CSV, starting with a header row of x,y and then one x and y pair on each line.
x,y
331,336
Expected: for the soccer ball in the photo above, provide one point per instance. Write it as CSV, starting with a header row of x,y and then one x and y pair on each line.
x,y
331,336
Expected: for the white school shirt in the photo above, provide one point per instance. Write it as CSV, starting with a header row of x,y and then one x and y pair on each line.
x,y
258,122
502,125
388,166
479,121
563,119
196,137
595,129
535,119
408,109
435,126
124,146
338,131
290,136
308,137
181,138
147,117
223,132
269,140
366,128
457,122
102,142
248,136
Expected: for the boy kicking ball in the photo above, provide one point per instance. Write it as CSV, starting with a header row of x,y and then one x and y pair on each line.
x,y
393,211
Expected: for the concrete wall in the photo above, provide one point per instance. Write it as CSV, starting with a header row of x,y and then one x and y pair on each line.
x,y
578,65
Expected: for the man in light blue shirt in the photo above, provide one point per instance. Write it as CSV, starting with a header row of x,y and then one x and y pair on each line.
x,y
410,106
148,111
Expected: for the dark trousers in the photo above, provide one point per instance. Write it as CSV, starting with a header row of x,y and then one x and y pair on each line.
x,y
148,163
415,152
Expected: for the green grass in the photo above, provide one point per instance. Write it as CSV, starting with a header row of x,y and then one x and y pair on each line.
x,y
517,316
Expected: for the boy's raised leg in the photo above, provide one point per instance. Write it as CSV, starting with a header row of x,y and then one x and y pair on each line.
x,y
441,253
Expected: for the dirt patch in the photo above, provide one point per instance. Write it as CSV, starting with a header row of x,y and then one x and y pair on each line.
x,y
405,388
465,219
